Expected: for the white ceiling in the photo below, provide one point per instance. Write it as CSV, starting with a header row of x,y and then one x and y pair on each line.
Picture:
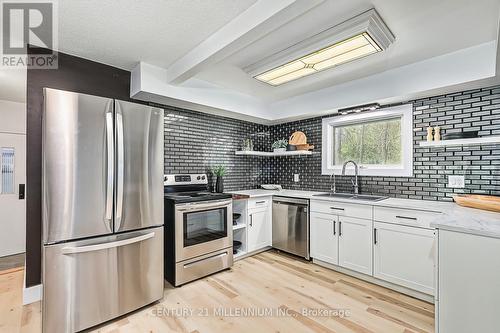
x,y
158,32
171,34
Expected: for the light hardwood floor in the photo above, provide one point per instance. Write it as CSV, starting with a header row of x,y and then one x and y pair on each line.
x,y
268,283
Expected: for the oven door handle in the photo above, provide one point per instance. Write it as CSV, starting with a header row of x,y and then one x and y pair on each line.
x,y
201,206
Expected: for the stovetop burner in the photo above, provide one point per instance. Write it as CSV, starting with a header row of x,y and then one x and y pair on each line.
x,y
189,188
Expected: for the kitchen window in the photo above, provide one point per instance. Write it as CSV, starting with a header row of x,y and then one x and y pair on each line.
x,y
380,142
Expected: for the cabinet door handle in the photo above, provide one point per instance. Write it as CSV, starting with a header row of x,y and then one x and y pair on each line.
x,y
260,202
406,217
375,236
251,219
336,208
334,225
340,228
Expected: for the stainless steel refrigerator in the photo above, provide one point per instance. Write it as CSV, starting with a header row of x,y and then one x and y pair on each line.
x,y
102,207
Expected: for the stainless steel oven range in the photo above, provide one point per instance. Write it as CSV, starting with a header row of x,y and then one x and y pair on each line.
x,y
198,229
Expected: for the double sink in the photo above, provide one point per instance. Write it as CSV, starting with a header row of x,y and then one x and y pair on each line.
x,y
350,196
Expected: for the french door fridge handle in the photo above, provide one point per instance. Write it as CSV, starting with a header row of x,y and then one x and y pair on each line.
x,y
104,246
120,161
110,166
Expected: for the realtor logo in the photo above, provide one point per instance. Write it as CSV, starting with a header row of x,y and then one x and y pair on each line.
x,y
29,34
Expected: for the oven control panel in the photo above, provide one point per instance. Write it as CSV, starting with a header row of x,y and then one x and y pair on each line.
x,y
189,179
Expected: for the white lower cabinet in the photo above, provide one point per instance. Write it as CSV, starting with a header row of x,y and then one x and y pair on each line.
x,y
343,241
469,283
259,228
405,256
324,239
355,244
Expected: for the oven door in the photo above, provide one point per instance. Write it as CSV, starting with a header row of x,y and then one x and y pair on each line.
x,y
202,227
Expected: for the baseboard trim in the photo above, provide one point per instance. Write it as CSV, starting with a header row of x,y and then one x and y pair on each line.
x,y
371,279
32,294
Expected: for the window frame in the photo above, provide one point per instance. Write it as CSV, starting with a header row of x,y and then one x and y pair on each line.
x,y
405,112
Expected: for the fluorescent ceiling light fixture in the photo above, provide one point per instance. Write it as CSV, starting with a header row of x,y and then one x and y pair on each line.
x,y
353,48
353,39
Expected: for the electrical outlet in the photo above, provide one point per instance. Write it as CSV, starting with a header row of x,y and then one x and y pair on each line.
x,y
456,181
296,177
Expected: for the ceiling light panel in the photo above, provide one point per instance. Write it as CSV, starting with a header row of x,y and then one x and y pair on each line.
x,y
353,39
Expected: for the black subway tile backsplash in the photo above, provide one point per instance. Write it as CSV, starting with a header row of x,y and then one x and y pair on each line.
x,y
480,164
195,142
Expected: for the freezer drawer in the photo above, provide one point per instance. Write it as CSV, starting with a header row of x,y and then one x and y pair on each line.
x,y
91,281
192,269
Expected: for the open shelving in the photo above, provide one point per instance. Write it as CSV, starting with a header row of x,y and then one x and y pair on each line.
x,y
239,254
462,142
239,230
239,226
271,153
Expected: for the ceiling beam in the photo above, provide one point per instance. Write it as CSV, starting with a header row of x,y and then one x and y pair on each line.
x,y
258,20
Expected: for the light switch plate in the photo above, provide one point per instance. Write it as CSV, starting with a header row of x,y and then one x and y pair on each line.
x,y
456,181
296,177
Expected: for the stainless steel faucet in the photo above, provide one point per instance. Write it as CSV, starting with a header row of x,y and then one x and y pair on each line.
x,y
333,186
355,181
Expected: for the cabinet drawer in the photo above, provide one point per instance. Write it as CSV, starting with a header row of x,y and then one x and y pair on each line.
x,y
414,218
259,202
342,209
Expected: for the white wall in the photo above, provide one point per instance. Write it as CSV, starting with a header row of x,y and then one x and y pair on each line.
x,y
12,117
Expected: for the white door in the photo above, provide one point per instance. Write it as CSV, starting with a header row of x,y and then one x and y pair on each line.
x,y
405,256
12,206
259,228
324,237
355,244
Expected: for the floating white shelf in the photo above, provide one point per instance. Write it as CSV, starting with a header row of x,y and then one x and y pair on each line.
x,y
270,153
239,226
462,142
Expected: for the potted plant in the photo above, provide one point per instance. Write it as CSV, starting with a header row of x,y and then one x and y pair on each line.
x,y
219,171
279,146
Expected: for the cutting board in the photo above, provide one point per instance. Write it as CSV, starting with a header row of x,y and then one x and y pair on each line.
x,y
485,202
298,138
305,147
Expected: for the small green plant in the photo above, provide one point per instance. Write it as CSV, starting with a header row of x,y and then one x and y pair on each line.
x,y
280,144
219,170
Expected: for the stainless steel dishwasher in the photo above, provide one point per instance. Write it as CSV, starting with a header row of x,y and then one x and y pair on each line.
x,y
291,225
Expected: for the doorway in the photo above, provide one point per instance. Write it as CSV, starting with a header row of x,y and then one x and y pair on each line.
x,y
12,181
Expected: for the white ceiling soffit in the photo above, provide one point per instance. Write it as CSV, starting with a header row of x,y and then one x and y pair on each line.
x,y
148,83
400,84
425,78
461,68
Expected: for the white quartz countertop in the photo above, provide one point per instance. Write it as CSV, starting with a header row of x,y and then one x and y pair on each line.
x,y
284,193
454,217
